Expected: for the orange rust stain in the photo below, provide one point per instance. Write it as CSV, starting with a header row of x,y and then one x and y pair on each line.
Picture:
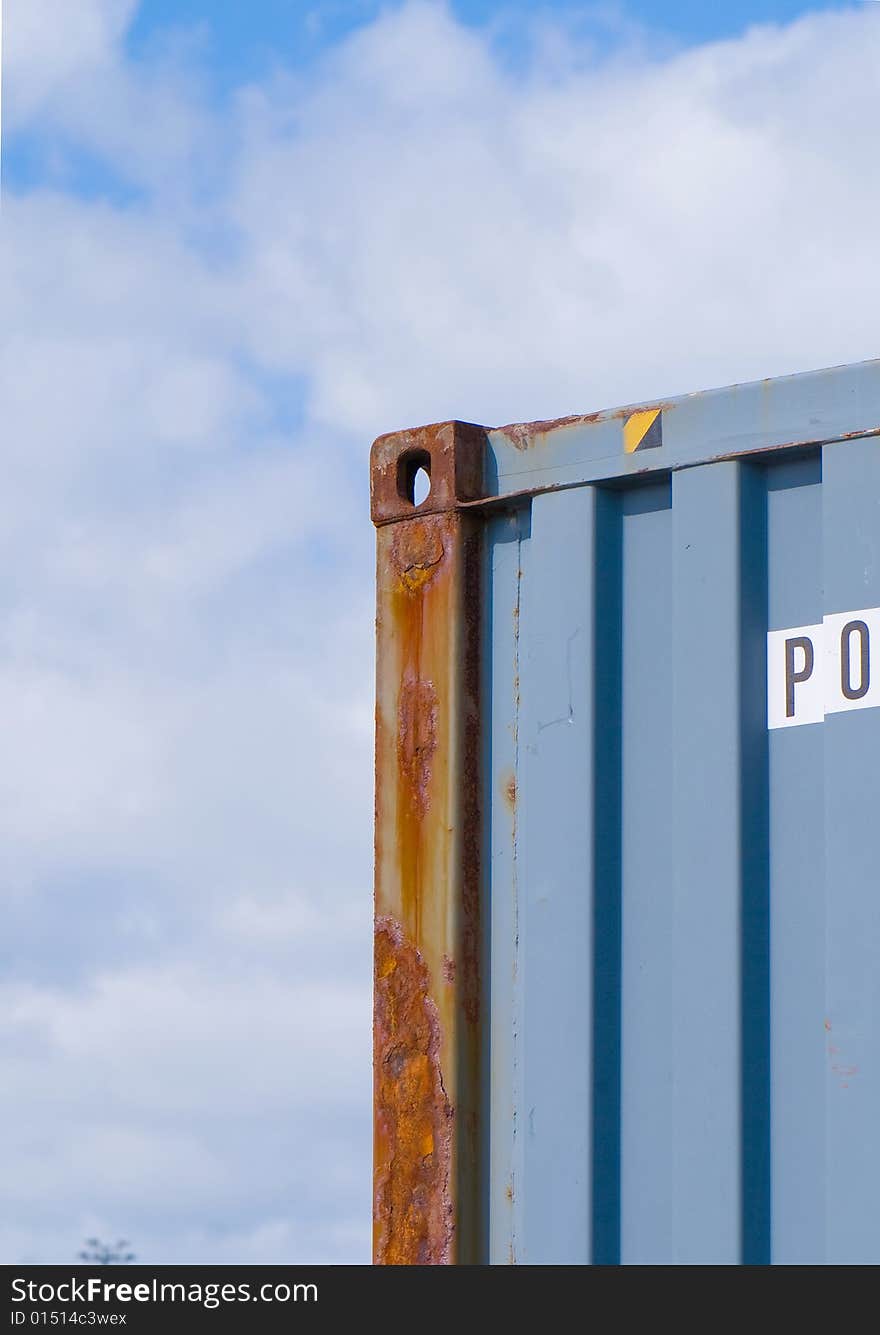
x,y
510,791
420,557
417,739
413,1211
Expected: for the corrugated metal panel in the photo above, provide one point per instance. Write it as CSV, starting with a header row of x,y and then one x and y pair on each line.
x,y
680,959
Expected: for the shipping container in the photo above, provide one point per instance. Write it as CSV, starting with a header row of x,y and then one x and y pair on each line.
x,y
627,995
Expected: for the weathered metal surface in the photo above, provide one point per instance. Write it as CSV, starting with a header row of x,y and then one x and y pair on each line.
x,y
669,986
414,1197
452,454
428,936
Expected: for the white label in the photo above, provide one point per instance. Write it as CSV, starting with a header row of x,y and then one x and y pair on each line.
x,y
817,670
852,669
795,668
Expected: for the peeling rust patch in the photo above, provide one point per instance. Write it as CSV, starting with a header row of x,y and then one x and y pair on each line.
x,y
448,969
510,791
417,739
413,1209
522,435
416,553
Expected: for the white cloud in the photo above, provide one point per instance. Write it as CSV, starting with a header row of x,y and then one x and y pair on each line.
x,y
229,1031
186,1100
48,45
410,230
68,76
495,246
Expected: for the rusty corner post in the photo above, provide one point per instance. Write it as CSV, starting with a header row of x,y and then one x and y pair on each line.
x,y
426,1057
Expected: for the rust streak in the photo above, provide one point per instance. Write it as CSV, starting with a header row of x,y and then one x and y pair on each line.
x,y
421,569
417,739
413,1214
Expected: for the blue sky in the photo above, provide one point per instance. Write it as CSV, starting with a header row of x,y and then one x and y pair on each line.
x,y
228,260
229,44
244,41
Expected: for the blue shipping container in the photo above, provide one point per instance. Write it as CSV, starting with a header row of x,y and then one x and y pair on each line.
x,y
676,612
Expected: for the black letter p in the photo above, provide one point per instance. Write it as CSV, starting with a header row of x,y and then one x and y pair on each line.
x,y
791,677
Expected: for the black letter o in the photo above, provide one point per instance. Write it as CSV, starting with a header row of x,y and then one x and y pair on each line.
x,y
851,692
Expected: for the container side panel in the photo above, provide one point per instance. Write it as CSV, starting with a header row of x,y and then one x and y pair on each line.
x,y
797,885
851,504
647,1188
554,843
505,553
706,802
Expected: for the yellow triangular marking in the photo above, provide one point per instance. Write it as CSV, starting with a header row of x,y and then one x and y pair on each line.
x,y
636,427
